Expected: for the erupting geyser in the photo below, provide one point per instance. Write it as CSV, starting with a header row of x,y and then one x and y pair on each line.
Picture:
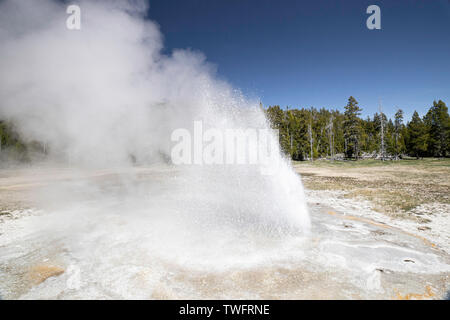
x,y
106,97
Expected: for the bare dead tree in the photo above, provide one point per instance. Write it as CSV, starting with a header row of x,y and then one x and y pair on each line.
x,y
310,139
290,135
382,132
331,137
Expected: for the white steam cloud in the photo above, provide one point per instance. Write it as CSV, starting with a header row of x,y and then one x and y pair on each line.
x,y
103,92
98,95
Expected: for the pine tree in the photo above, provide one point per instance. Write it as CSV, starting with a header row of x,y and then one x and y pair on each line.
x,y
437,122
398,126
417,136
352,128
277,118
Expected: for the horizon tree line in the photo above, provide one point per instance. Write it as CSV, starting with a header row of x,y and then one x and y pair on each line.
x,y
310,133
307,134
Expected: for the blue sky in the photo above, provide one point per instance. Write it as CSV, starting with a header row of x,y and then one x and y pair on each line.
x,y
318,53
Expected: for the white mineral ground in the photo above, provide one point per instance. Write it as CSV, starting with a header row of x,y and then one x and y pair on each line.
x,y
97,243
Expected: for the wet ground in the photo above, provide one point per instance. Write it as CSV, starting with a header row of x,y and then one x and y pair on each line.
x,y
87,244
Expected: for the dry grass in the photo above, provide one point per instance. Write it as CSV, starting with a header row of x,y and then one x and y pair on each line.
x,y
393,187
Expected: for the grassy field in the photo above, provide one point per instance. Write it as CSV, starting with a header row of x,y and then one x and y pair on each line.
x,y
397,188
